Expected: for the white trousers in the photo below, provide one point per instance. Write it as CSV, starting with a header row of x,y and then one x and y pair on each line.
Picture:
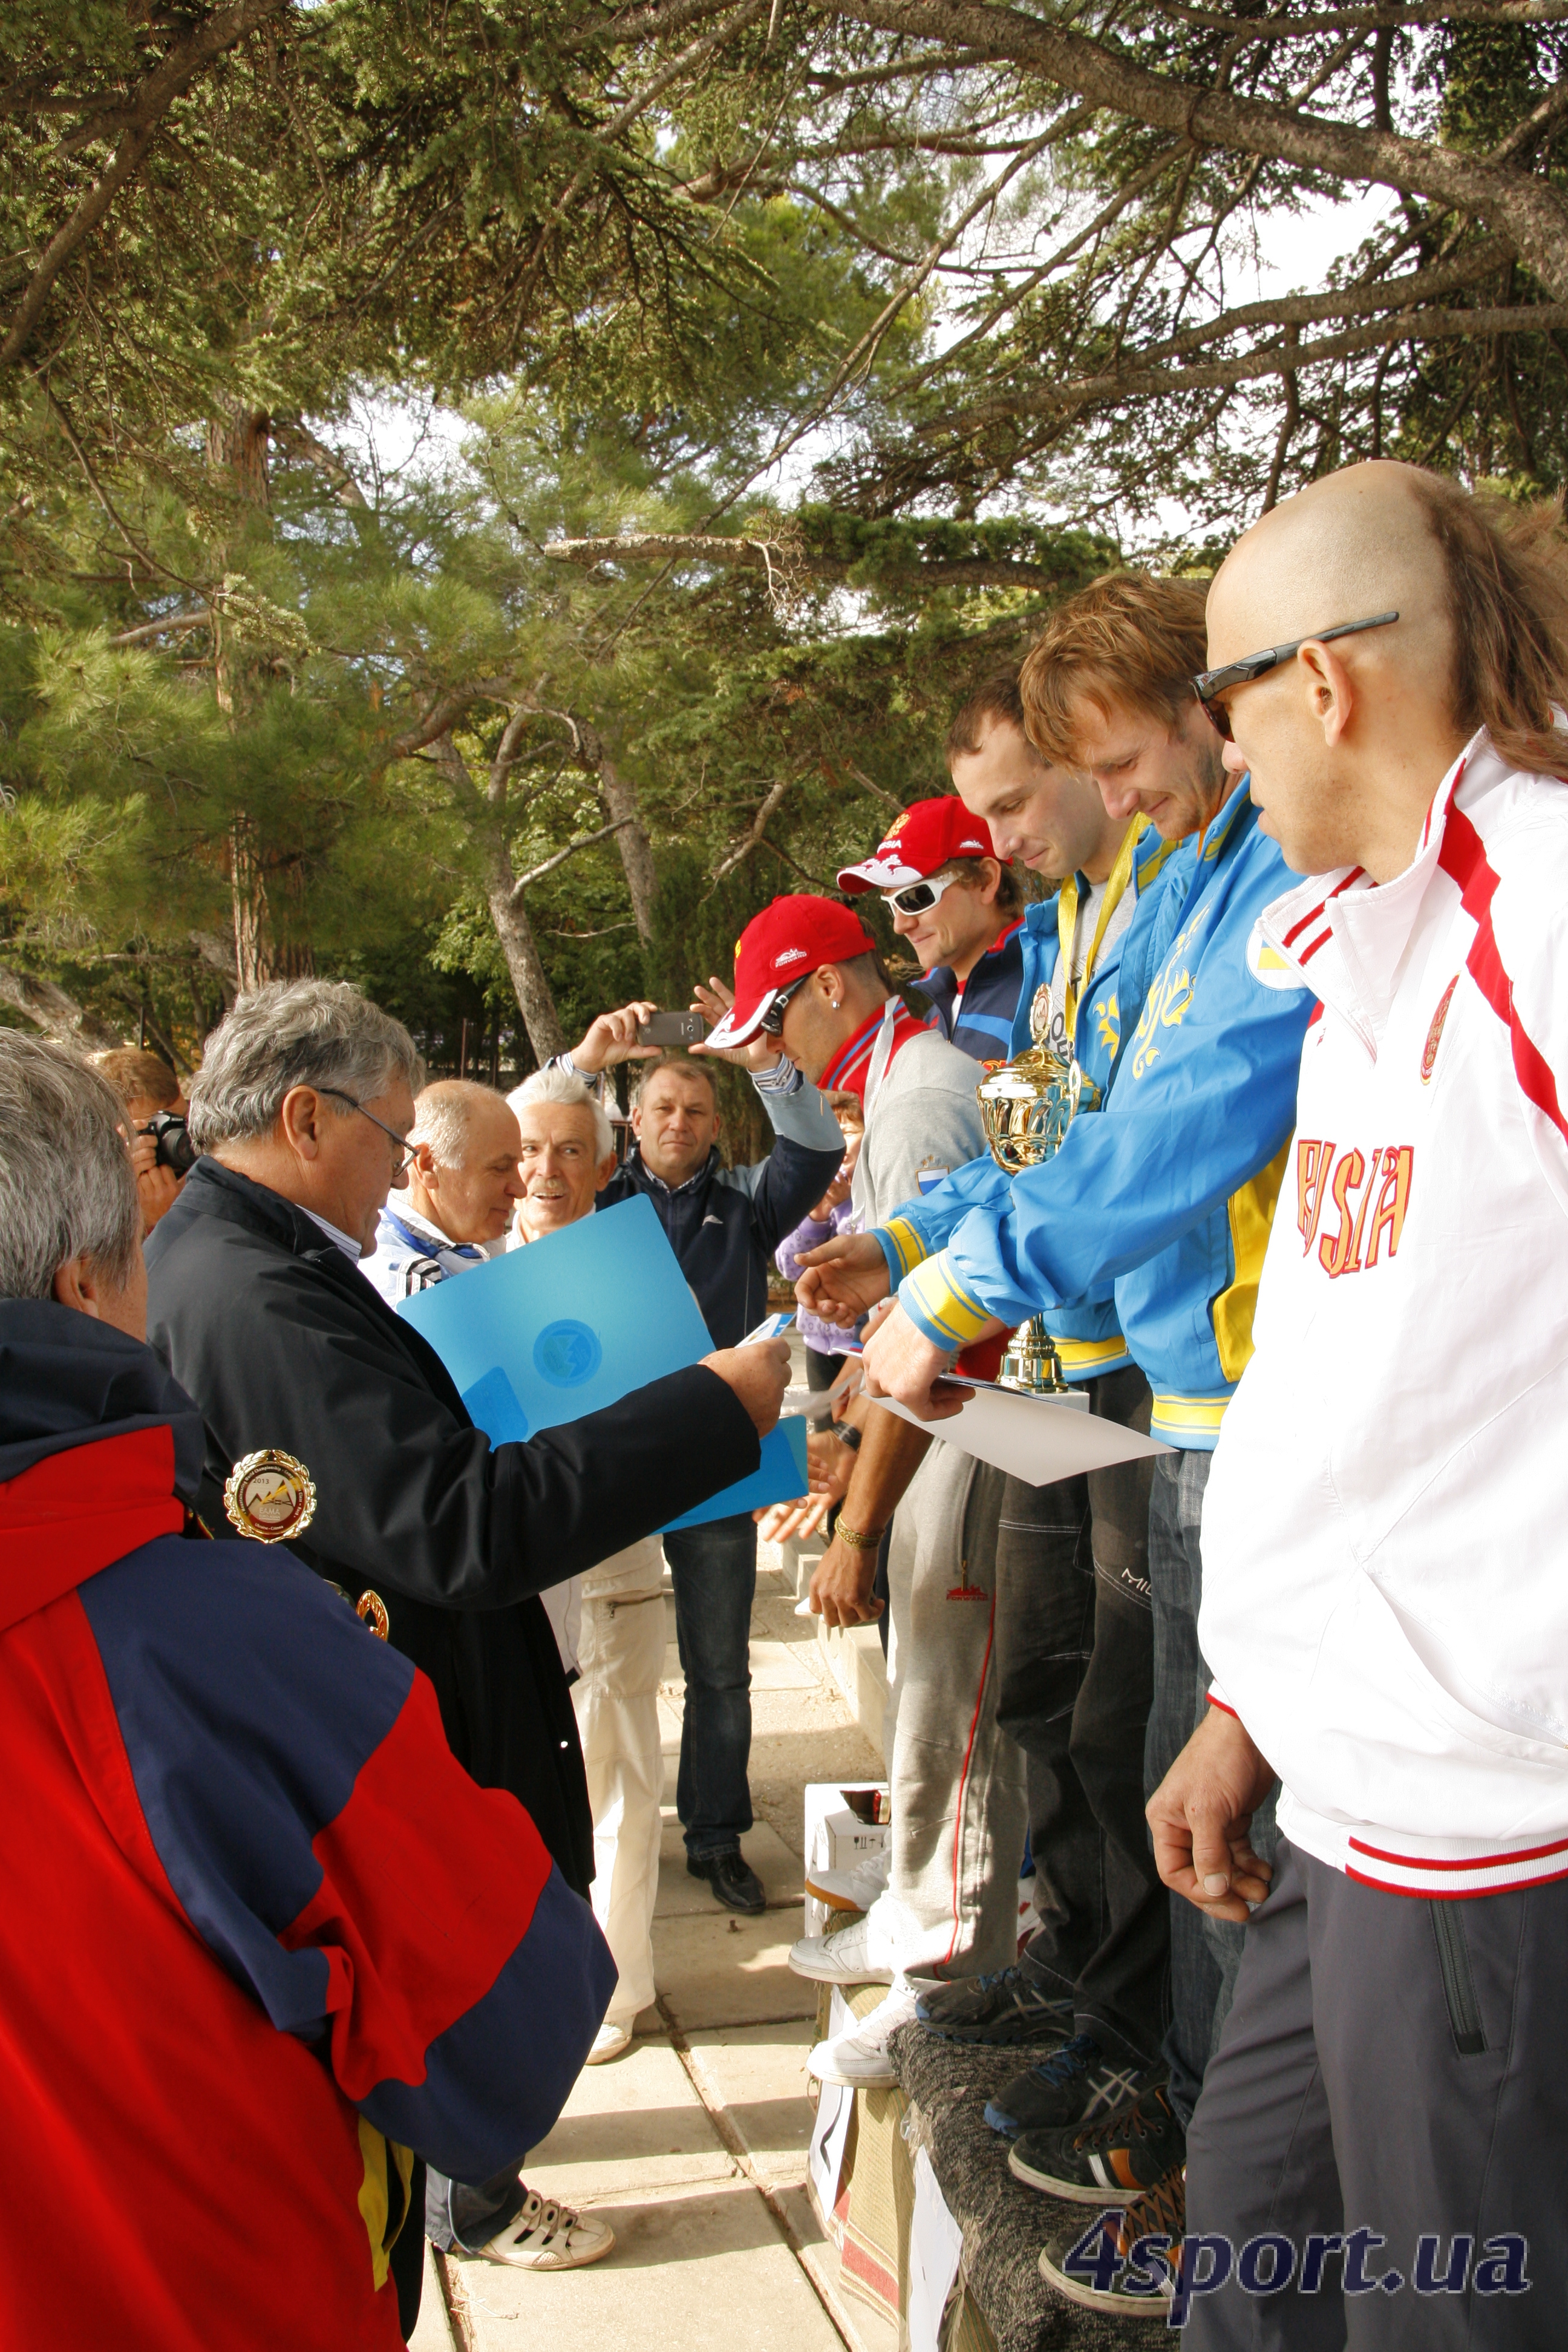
x,y
620,1652
959,1803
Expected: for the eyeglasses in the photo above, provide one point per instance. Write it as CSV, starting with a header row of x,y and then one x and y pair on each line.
x,y
405,1150
773,1019
1210,683
917,898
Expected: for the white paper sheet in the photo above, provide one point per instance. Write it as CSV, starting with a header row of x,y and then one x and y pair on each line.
x,y
936,2247
1031,1437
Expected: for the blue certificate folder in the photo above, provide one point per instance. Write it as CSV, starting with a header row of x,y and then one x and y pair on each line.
x,y
574,1322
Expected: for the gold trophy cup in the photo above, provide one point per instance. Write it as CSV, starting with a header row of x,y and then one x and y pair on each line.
x,y
1027,1106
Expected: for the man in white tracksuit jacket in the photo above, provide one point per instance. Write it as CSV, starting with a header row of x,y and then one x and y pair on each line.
x,y
1383,2135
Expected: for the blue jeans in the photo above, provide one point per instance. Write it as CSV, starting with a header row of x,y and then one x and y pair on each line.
x,y
714,1571
1205,1953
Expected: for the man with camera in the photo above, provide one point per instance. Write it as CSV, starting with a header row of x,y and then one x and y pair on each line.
x,y
724,1224
160,1152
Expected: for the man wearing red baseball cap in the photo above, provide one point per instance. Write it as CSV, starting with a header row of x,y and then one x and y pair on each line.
x,y
959,910
807,972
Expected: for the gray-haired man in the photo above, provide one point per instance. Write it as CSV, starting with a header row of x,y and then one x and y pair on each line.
x,y
463,1184
302,1106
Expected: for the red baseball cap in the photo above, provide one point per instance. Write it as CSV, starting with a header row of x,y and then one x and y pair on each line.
x,y
780,946
921,841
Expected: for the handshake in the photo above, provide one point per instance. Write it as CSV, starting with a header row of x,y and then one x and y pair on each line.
x,y
848,1278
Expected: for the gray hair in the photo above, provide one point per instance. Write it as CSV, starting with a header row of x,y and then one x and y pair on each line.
x,y
444,1114
551,1084
687,1064
65,1186
296,1032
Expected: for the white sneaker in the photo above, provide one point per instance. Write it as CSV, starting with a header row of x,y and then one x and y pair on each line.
x,y
546,2236
852,1890
860,2059
608,2042
866,1952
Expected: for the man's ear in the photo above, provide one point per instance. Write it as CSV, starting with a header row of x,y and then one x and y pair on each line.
x,y
991,868
300,1118
603,1172
425,1161
74,1285
1331,692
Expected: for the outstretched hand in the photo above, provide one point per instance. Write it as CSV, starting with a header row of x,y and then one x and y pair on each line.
x,y
1200,1817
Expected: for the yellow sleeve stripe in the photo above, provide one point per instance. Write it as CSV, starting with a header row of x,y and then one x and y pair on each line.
x,y
1176,1417
1082,1357
904,1243
941,1305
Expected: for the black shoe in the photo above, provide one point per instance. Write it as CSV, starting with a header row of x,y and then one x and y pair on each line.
x,y
1074,2086
1111,2161
732,1877
1001,2008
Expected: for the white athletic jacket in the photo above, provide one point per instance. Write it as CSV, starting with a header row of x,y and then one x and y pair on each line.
x,y
1385,1531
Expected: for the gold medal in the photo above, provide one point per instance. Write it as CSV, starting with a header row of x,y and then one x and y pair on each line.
x,y
270,1495
372,1609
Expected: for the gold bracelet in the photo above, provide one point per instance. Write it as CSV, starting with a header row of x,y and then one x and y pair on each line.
x,y
855,1539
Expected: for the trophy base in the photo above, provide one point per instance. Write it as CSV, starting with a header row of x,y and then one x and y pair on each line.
x,y
1031,1366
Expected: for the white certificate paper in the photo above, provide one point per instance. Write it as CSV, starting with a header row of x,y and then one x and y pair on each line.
x,y
1033,1438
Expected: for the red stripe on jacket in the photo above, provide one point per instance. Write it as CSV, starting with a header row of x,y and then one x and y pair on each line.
x,y
482,1869
58,1528
1464,860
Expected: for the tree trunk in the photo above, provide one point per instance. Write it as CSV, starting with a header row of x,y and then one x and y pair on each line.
x,y
618,794
521,950
248,892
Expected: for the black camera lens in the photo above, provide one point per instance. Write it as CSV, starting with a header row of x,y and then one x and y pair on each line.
x,y
176,1149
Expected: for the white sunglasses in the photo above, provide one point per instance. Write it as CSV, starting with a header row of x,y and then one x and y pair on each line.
x,y
917,898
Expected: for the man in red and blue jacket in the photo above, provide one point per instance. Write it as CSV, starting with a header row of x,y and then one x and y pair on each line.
x,y
266,1939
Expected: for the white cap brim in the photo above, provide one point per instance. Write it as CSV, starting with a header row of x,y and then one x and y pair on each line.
x,y
879,873
730,1031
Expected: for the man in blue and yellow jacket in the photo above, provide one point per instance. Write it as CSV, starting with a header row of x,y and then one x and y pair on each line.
x,y
1070,1653
1165,1194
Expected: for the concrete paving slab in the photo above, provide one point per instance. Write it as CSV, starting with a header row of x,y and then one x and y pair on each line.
x,y
704,2269
724,1970
776,1667
757,2073
433,2328
634,2125
681,1896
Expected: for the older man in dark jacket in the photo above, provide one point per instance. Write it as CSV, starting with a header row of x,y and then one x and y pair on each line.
x,y
257,1304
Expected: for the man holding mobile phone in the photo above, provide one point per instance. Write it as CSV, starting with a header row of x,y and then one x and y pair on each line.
x,y
724,1224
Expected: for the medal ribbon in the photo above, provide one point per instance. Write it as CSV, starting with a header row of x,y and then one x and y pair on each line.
x,y
1067,925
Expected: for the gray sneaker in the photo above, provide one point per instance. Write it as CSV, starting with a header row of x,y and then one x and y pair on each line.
x,y
1001,2008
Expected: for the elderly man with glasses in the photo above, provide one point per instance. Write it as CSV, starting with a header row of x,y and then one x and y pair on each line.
x,y
330,1420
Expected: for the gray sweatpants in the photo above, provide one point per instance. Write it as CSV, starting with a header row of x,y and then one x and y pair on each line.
x,y
959,1800
1390,2076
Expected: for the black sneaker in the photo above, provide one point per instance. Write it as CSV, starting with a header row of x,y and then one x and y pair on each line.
x,y
1003,2007
1111,2161
1073,2086
1127,2262
732,1877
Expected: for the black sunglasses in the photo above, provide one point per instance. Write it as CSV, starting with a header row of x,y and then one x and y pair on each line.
x,y
773,1019
1210,683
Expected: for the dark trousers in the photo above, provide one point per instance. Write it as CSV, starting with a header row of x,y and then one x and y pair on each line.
x,y
457,2216
1074,1659
1205,1953
821,1372
1391,2065
714,1571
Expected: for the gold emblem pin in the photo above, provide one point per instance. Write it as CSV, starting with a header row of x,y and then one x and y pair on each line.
x,y
372,1607
270,1495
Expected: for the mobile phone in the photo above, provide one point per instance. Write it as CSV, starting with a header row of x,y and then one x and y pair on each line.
x,y
671,1029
